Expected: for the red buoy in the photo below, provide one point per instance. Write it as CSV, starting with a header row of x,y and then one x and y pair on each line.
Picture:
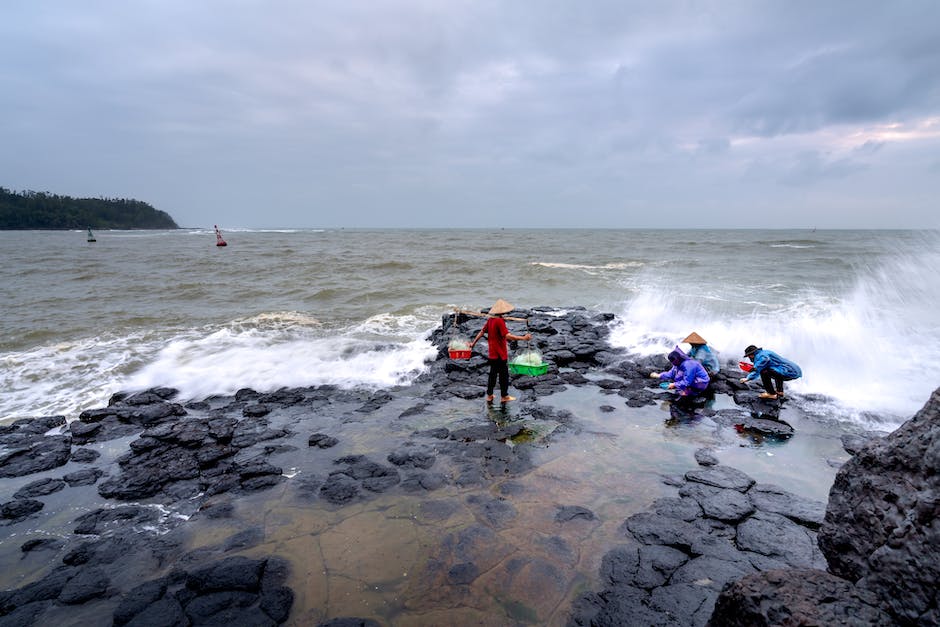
x,y
218,237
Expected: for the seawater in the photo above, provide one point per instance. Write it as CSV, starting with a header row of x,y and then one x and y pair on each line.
x,y
275,308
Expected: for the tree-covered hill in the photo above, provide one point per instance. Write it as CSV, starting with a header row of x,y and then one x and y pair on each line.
x,y
41,210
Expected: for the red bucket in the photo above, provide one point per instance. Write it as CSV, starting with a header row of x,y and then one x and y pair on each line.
x,y
460,354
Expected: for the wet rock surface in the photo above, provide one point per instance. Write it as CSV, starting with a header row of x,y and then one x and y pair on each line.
x,y
879,537
196,460
676,558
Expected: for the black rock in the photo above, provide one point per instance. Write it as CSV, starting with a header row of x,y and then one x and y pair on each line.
x,y
276,602
42,544
137,600
19,509
32,452
39,488
87,584
721,477
87,476
796,597
322,440
706,457
412,459
97,521
231,573
880,528
339,489
85,455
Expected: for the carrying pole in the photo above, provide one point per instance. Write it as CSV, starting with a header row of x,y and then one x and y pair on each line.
x,y
483,315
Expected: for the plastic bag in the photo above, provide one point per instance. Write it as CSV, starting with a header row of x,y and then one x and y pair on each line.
x,y
530,357
458,344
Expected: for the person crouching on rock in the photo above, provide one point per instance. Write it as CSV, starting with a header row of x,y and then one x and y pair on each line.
x,y
772,370
688,376
497,336
703,353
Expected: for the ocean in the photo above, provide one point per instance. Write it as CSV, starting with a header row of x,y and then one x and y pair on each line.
x,y
284,307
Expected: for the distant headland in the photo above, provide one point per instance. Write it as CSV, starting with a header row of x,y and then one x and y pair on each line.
x,y
42,210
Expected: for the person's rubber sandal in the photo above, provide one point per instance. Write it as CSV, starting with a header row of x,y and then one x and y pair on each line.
x,y
769,397
489,399
506,399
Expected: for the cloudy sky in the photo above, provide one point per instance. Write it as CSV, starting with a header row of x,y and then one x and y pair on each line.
x,y
484,113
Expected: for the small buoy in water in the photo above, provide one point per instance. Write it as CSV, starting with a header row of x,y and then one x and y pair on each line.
x,y
218,237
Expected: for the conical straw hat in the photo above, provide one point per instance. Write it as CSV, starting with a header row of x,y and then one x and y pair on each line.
x,y
500,307
694,338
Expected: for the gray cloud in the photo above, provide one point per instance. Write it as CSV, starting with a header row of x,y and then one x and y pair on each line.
x,y
475,114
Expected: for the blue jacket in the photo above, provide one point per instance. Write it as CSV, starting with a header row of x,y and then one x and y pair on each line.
x,y
764,359
689,375
705,356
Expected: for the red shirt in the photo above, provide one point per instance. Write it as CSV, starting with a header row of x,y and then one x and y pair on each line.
x,y
496,333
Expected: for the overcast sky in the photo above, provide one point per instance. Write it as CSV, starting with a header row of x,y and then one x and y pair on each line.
x,y
483,113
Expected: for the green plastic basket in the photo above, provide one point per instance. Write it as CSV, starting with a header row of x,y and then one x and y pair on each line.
x,y
533,371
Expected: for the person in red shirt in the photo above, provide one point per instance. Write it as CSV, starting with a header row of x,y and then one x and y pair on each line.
x,y
496,337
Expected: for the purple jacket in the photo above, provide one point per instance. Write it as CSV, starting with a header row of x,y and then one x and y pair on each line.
x,y
689,375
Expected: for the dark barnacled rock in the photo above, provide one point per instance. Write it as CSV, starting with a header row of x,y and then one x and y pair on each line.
x,y
412,459
87,584
880,529
84,455
778,537
799,596
721,477
231,573
727,505
339,489
138,599
86,476
206,608
82,431
19,509
165,612
27,450
322,440
684,508
706,457
256,410
41,487
770,498
680,556
97,521
855,442
42,544
276,602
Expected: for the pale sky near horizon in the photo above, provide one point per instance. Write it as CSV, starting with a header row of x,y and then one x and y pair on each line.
x,y
413,113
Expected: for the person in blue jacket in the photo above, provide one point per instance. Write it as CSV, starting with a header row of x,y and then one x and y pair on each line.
x,y
772,369
688,376
702,353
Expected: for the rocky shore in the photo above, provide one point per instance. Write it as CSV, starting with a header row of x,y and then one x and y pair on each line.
x,y
150,469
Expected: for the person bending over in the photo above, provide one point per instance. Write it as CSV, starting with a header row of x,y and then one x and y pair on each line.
x,y
703,353
772,369
688,376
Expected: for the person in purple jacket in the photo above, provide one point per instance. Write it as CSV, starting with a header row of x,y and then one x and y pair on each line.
x,y
688,376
